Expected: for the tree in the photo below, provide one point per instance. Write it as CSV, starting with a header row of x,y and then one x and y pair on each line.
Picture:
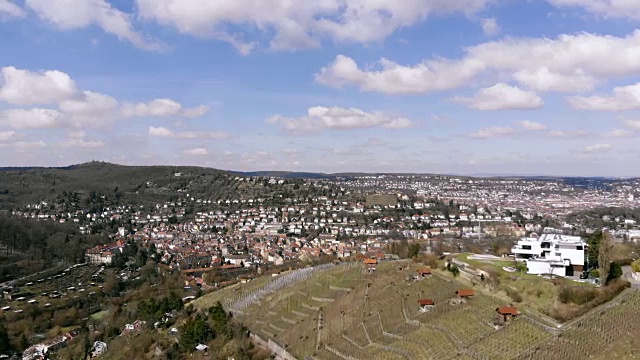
x,y
86,346
5,344
24,343
221,320
615,271
414,250
593,249
454,270
195,331
112,285
604,257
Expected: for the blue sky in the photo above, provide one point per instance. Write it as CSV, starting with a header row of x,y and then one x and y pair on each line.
x,y
471,86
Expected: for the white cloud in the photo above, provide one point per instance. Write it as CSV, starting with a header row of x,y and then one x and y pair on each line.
x,y
31,119
196,152
604,8
544,80
82,144
320,118
622,98
393,78
187,135
195,111
632,124
90,109
162,108
619,133
91,12
490,132
400,123
10,9
566,134
502,97
490,26
597,148
160,131
568,63
90,103
7,135
79,108
595,55
532,125
77,134
157,107
23,87
297,24
22,146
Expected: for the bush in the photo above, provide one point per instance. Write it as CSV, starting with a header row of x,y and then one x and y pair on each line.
x,y
636,265
566,311
615,272
578,295
595,273
431,261
453,268
514,295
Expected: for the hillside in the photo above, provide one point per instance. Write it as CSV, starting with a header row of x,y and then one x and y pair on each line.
x,y
19,186
345,313
109,184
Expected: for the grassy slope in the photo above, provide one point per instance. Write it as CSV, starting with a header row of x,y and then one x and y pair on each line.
x,y
538,294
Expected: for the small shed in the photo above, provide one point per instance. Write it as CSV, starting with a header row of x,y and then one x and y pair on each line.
x,y
465,293
507,312
371,265
424,272
426,304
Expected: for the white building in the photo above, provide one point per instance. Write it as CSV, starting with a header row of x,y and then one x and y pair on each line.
x,y
556,254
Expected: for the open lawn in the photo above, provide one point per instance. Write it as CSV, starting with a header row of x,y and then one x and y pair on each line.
x,y
100,315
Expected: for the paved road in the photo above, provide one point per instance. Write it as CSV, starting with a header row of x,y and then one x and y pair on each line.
x,y
627,275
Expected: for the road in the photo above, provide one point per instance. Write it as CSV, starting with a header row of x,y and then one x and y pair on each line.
x,y
627,275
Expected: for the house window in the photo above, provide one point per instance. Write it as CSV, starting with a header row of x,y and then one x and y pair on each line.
x,y
579,247
557,247
545,245
526,247
557,254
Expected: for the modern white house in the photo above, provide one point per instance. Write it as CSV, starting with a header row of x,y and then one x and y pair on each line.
x,y
557,254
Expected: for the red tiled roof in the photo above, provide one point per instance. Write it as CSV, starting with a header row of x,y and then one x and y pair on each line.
x,y
425,270
507,310
370,261
425,302
465,293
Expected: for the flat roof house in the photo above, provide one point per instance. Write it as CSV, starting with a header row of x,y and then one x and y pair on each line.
x,y
555,254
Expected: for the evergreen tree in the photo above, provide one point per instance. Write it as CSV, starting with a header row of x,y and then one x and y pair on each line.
x,y
5,344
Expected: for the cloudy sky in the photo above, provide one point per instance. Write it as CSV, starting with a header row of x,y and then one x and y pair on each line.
x,y
468,86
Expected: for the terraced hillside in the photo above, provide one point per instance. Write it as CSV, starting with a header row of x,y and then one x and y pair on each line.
x,y
345,313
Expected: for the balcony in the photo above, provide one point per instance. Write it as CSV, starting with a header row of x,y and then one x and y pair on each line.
x,y
518,249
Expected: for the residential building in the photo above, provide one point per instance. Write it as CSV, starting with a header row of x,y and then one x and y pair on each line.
x,y
557,254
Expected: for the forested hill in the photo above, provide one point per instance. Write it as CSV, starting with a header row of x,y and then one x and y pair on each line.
x,y
20,186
